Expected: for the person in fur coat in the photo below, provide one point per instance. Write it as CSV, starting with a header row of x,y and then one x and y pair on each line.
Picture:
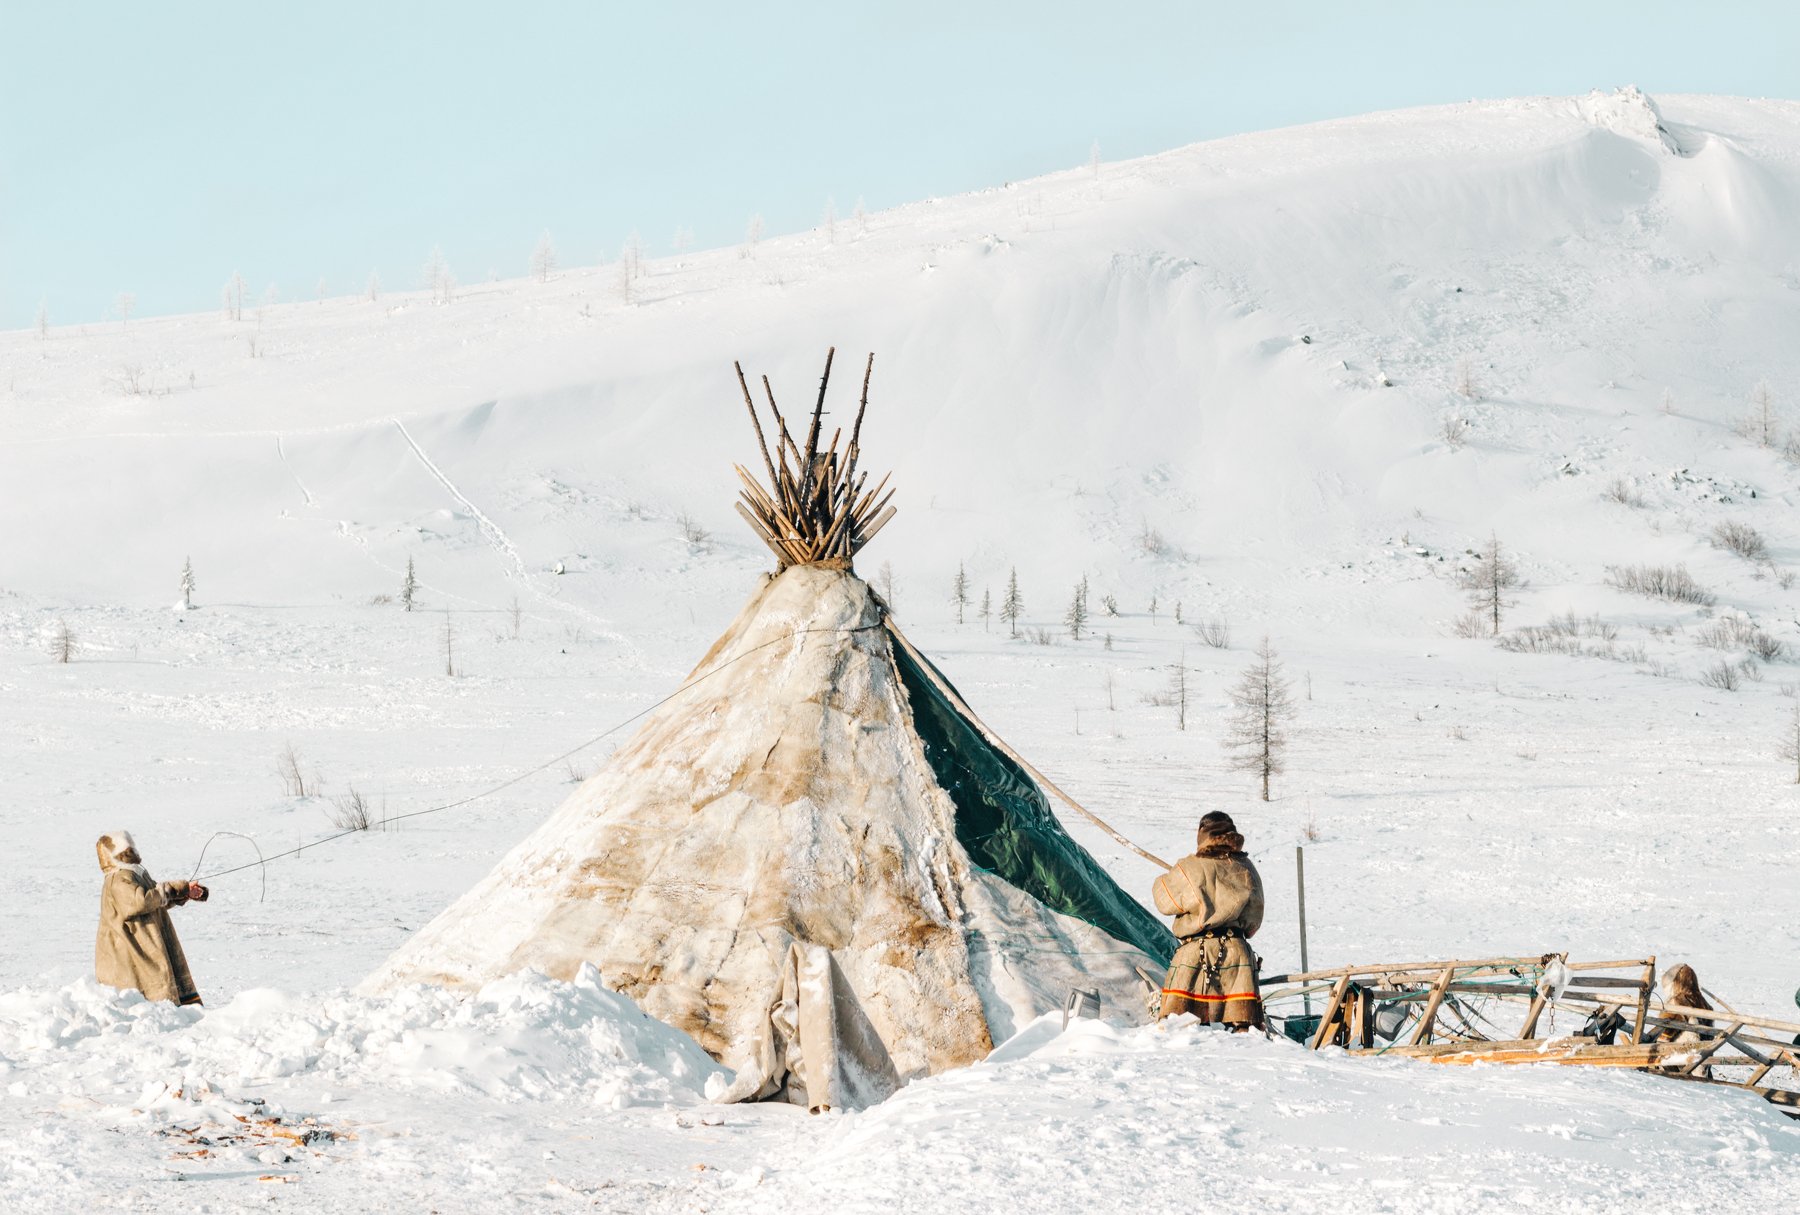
x,y
136,947
1216,897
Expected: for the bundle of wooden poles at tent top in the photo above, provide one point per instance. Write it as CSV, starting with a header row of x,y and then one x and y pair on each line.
x,y
814,510
1444,1012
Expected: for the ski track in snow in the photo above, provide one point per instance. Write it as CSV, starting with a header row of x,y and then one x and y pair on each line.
x,y
281,453
499,540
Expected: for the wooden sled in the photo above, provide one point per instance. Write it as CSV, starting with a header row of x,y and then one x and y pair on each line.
x,y
1428,1011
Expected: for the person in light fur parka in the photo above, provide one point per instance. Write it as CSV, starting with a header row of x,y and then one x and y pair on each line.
x,y
1216,897
136,947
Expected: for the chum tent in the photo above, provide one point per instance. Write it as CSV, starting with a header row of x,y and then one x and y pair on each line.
x,y
810,859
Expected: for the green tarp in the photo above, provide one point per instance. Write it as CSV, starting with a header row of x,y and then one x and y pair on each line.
x,y
1004,823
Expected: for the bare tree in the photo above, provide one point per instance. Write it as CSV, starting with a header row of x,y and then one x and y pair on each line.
x,y
1110,605
987,608
1790,743
753,234
294,779
1466,387
42,322
437,276
884,578
1488,583
233,296
683,240
409,589
1013,606
860,214
1178,689
1759,425
829,222
449,646
125,303
518,618
63,643
374,286
187,584
1094,160
1077,615
319,289
350,812
543,259
1263,704
959,592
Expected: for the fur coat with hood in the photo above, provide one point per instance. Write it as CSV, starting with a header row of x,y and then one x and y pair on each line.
x,y
1216,891
136,946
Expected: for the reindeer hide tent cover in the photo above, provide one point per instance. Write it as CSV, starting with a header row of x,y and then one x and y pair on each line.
x,y
808,859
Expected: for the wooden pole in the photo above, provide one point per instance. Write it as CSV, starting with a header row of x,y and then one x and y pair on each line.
x,y
1300,885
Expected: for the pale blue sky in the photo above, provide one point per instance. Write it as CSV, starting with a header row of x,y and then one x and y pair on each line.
x,y
155,148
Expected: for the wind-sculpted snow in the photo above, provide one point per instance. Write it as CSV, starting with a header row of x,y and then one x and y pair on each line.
x,y
1185,1118
521,1038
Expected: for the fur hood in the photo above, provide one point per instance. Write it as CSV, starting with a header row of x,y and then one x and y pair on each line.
x,y
112,846
1226,844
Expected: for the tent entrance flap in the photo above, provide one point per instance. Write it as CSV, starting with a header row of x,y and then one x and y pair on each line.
x,y
1004,823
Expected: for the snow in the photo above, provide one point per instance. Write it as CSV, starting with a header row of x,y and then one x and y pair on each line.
x,y
1106,376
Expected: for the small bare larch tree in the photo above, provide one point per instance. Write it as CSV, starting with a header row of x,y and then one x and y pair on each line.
x,y
1178,689
233,296
42,323
959,592
409,589
1077,616
543,259
1490,581
62,642
1263,703
1759,425
125,303
187,584
987,608
1013,606
437,276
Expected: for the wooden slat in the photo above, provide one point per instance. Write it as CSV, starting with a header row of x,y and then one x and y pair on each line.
x,y
1429,1017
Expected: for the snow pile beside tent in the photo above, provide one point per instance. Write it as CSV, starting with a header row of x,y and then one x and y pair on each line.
x,y
522,1038
1190,1119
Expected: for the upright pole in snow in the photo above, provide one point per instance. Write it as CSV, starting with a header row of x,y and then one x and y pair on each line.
x,y
1300,884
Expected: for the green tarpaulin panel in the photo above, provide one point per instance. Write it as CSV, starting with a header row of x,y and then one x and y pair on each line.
x,y
1004,823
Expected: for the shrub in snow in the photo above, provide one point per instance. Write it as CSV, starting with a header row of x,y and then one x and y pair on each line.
x,y
1741,539
1671,582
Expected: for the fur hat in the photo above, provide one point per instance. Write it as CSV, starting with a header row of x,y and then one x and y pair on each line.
x,y
111,847
1218,834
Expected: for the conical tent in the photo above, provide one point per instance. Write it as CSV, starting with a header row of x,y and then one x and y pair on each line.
x,y
812,862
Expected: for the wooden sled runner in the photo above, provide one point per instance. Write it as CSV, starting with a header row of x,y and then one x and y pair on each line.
x,y
1461,1012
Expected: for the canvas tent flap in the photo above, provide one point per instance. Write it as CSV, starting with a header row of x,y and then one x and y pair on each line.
x,y
1004,823
818,1048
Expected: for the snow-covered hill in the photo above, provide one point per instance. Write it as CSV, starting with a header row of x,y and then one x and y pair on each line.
x,y
1286,381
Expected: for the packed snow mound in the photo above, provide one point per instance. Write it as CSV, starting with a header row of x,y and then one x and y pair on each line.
x,y
1628,111
522,1038
1240,1122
